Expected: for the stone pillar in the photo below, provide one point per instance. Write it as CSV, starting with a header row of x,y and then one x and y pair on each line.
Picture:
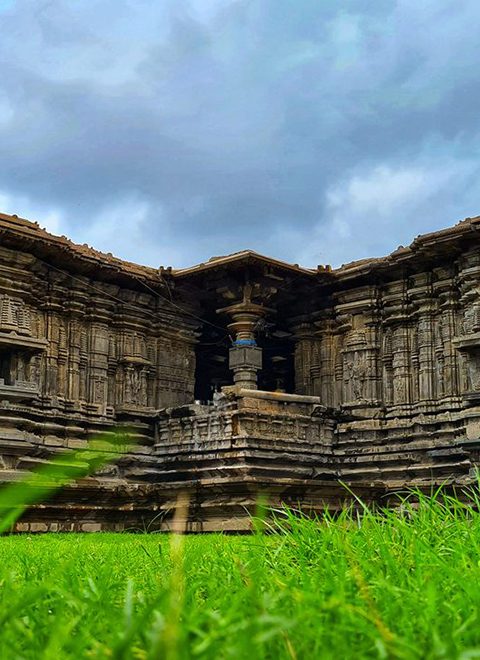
x,y
245,357
52,335
62,359
425,354
387,360
73,390
400,364
324,382
98,365
305,339
448,305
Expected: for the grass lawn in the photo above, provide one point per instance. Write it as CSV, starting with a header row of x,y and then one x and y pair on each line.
x,y
398,585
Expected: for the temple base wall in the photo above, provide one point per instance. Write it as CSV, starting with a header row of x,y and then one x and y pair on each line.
x,y
287,450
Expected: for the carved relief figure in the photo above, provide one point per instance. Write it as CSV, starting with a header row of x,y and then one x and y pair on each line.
x,y
399,390
135,386
358,373
35,366
473,371
143,389
99,391
355,372
21,368
128,385
348,378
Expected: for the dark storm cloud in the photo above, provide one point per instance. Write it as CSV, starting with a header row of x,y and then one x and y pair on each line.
x,y
167,132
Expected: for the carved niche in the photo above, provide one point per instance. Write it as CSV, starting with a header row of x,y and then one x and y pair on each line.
x,y
468,344
354,368
136,370
135,384
19,351
469,348
359,368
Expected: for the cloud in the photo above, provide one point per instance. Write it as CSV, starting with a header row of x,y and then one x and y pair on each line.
x,y
49,218
121,228
386,204
207,127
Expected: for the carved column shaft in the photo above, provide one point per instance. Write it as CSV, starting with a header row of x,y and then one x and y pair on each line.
x,y
52,336
245,357
425,355
73,389
450,363
400,365
327,370
98,363
387,360
305,342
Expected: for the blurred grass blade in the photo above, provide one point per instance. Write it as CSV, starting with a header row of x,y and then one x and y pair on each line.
x,y
62,469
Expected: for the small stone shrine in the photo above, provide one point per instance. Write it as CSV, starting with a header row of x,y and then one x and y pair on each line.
x,y
239,376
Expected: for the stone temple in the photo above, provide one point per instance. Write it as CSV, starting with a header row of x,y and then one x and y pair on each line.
x,y
239,376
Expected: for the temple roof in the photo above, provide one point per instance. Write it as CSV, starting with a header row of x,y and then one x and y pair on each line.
x,y
245,257
32,238
442,243
19,233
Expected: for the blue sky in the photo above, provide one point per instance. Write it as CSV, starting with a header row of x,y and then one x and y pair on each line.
x,y
167,132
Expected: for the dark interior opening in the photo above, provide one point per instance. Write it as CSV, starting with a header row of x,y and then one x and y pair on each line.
x,y
212,369
7,367
278,374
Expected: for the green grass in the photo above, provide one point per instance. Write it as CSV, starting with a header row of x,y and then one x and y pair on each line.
x,y
403,584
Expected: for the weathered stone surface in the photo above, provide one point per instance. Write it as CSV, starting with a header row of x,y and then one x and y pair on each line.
x,y
372,372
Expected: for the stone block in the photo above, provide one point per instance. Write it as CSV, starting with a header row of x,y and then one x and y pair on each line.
x,y
91,527
73,443
245,356
473,429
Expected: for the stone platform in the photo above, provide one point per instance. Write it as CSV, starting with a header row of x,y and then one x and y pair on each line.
x,y
287,450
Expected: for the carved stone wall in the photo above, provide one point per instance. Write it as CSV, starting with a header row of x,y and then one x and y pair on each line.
x,y
397,346
386,356
400,361
78,356
106,347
